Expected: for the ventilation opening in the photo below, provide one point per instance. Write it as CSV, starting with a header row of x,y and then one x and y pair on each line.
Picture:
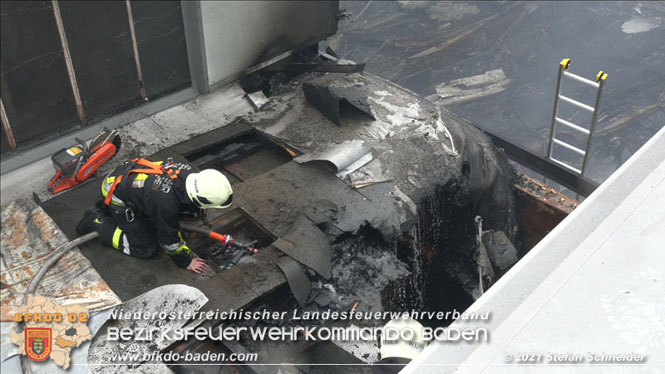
x,y
243,230
350,114
241,158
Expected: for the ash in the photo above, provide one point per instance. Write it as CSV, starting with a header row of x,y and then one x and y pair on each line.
x,y
363,266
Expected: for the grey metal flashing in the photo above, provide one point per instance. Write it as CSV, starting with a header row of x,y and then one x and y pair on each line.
x,y
13,162
533,283
196,50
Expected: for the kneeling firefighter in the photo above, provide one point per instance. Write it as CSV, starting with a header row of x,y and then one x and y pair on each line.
x,y
142,204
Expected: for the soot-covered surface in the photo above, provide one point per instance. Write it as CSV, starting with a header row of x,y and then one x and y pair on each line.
x,y
429,177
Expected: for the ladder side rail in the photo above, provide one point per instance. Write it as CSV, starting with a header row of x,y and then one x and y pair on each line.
x,y
601,83
550,146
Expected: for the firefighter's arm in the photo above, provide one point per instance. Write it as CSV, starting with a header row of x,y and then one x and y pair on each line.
x,y
179,252
182,257
170,238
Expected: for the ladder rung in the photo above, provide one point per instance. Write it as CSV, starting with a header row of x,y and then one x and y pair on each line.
x,y
581,79
576,103
572,125
566,145
578,171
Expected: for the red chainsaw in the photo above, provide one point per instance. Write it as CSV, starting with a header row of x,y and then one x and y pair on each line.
x,y
76,164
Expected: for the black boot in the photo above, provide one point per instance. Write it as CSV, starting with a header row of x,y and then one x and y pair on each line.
x,y
92,221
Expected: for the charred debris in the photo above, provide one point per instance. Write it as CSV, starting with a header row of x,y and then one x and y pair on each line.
x,y
370,192
359,195
396,229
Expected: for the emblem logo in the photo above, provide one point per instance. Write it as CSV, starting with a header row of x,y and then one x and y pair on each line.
x,y
38,343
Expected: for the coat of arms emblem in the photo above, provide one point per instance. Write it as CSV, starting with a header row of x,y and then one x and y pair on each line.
x,y
38,343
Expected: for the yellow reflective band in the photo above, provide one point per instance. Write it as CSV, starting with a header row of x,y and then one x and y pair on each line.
x,y
178,251
141,177
106,185
116,237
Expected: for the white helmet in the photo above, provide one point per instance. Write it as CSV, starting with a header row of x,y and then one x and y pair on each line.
x,y
209,189
402,338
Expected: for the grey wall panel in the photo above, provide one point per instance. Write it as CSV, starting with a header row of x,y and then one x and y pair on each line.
x,y
242,34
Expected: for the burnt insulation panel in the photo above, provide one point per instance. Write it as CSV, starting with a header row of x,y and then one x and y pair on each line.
x,y
100,43
4,143
36,91
160,36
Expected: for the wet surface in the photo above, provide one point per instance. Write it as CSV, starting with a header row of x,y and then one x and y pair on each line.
x,y
515,47
242,229
129,277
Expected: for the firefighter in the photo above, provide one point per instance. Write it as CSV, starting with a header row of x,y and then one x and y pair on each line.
x,y
143,201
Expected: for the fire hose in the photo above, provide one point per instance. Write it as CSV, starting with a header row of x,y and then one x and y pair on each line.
x,y
65,247
226,240
53,258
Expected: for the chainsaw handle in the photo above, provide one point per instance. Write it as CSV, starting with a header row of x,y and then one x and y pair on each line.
x,y
83,144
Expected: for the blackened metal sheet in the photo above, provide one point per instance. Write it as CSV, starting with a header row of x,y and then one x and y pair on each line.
x,y
307,244
337,102
295,275
101,47
35,86
160,35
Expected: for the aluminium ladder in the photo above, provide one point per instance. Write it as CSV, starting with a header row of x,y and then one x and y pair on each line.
x,y
599,83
